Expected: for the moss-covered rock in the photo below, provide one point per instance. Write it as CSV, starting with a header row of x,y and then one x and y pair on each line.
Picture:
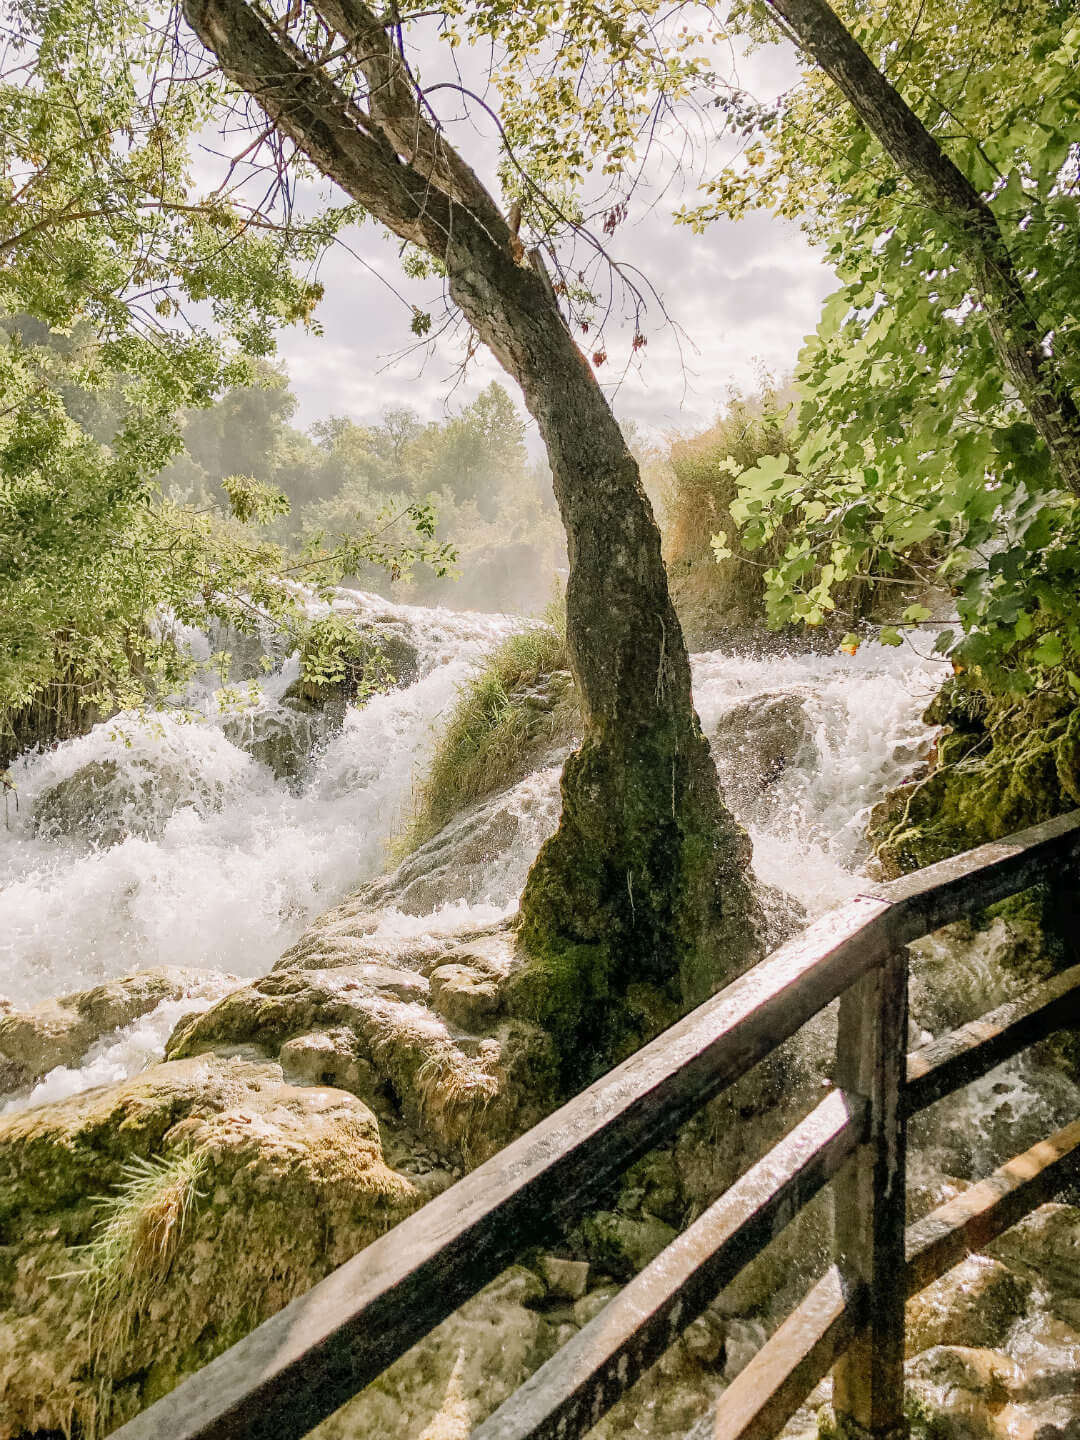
x,y
622,1245
377,1027
997,768
183,1188
60,1032
518,711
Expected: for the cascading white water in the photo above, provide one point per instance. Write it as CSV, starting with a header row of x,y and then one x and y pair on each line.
x,y
192,853
220,865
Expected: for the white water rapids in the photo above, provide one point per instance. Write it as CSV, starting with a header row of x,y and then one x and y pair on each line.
x,y
201,857
223,867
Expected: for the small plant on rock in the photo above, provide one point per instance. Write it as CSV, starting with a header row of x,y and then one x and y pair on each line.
x,y
135,1241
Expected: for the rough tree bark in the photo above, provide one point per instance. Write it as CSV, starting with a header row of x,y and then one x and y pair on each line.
x,y
647,877
1017,335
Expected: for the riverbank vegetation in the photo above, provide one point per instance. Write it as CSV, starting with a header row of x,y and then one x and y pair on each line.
x,y
520,706
925,460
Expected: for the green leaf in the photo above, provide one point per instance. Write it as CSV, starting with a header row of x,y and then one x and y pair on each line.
x,y
1049,650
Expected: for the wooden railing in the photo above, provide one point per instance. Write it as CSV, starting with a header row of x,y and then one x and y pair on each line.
x,y
300,1365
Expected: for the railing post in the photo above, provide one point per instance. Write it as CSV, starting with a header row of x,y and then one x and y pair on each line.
x,y
868,1380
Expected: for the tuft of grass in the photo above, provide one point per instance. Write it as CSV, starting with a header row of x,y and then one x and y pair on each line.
x,y
520,704
135,1241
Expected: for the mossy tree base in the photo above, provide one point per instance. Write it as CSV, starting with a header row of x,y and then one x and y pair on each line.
x,y
633,913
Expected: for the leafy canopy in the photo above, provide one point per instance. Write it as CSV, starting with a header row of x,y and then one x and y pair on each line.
x,y
131,290
910,437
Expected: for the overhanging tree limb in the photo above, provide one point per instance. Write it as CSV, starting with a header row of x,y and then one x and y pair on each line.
x,y
1017,336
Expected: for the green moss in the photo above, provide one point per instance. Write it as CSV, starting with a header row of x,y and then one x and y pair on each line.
x,y
520,704
668,915
996,770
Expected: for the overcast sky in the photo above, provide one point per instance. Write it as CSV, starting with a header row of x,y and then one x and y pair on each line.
x,y
742,295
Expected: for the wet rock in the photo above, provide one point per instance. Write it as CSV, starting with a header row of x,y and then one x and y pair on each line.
x,y
494,1342
248,653
965,1393
455,864
1045,1246
568,1278
622,1245
744,1339
757,740
281,737
227,1157
60,1032
998,767
977,1303
106,802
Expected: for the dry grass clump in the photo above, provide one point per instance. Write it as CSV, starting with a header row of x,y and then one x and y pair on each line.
x,y
714,598
520,704
134,1243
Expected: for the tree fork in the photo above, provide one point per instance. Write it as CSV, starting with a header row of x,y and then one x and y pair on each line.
x,y
646,876
945,188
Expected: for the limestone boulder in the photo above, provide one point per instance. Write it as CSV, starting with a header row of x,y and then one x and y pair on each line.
x,y
464,995
756,741
60,1032
149,1225
976,1303
369,1028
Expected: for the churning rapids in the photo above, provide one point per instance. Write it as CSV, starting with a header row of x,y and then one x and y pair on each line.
x,y
224,865
190,851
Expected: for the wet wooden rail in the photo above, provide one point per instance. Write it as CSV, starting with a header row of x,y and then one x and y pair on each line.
x,y
299,1366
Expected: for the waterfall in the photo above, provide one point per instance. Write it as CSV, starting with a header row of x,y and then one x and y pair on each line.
x,y
217,865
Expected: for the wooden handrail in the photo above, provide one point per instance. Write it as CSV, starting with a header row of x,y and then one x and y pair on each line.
x,y
571,1391
308,1359
764,1396
303,1363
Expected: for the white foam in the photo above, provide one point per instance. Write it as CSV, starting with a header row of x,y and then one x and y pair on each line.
x,y
231,876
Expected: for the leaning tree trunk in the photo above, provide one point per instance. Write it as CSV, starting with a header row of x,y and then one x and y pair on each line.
x,y
1017,336
646,879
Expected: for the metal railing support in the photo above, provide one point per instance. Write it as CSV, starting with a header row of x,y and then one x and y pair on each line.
x,y
868,1228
